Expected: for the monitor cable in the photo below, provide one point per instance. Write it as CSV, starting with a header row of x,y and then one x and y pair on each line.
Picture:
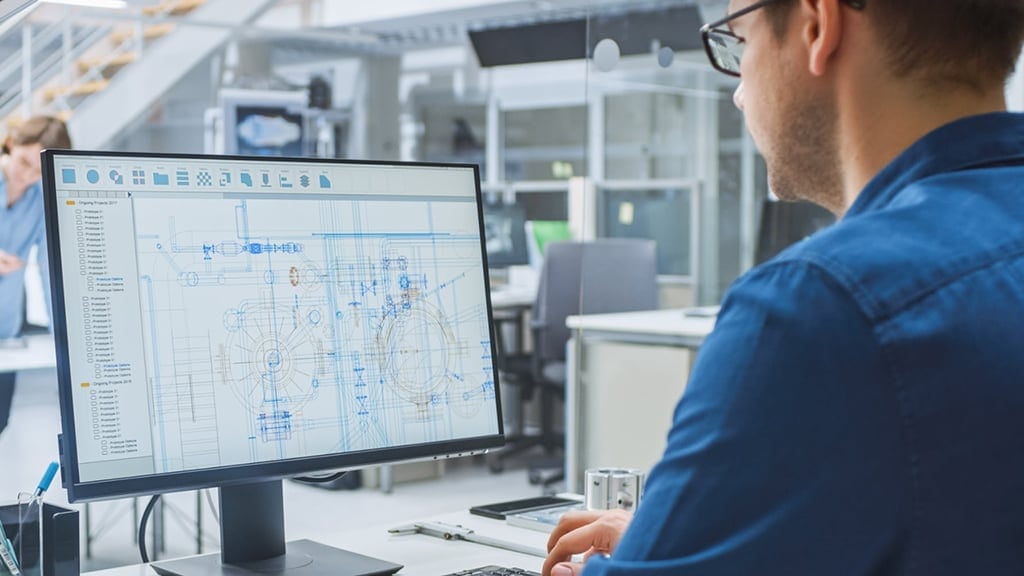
x,y
142,527
321,479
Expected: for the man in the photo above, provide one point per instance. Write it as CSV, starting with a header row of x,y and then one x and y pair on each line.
x,y
858,409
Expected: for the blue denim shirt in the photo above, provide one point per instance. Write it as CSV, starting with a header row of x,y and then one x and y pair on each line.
x,y
21,227
859,408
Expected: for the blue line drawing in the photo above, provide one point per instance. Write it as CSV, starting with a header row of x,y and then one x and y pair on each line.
x,y
312,327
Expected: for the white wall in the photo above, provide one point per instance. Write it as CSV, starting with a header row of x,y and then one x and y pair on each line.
x,y
1015,89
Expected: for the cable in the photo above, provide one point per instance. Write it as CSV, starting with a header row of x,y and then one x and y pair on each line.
x,y
213,507
142,527
321,479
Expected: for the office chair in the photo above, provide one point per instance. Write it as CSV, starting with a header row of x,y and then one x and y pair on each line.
x,y
603,276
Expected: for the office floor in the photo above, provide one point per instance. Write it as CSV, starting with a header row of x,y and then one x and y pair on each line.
x,y
29,444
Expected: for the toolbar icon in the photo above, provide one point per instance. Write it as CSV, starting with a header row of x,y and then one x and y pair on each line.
x,y
246,179
225,178
325,182
203,178
181,177
116,177
161,179
265,178
285,183
305,181
68,175
93,176
138,177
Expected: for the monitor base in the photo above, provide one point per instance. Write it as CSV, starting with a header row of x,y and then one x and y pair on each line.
x,y
304,558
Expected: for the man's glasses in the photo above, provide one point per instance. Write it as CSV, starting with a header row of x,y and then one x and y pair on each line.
x,y
725,49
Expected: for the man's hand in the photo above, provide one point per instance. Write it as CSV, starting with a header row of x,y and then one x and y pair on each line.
x,y
586,533
9,263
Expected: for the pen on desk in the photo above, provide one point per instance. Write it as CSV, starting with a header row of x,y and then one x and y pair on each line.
x,y
459,532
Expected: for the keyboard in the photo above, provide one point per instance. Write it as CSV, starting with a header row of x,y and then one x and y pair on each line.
x,y
495,571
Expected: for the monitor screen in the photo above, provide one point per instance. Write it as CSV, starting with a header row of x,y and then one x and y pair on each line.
x,y
505,235
231,321
224,319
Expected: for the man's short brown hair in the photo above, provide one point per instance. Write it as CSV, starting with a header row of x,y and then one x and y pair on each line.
x,y
967,42
47,131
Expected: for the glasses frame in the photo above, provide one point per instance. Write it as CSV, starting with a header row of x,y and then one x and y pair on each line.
x,y
721,28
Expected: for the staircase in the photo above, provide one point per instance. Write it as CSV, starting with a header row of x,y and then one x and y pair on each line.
x,y
100,78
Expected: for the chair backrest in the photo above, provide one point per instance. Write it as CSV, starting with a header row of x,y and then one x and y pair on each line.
x,y
598,277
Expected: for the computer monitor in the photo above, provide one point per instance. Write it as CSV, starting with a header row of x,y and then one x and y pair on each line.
x,y
786,223
233,321
505,233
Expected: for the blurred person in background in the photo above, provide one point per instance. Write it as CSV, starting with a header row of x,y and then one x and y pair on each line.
x,y
22,227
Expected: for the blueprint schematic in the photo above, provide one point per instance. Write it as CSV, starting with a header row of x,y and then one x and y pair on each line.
x,y
280,329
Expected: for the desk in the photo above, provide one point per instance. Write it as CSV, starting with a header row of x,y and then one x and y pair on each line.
x,y
510,297
625,374
422,555
39,354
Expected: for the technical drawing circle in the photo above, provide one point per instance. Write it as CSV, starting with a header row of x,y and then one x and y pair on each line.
x,y
310,277
232,320
272,361
415,352
293,276
314,317
268,276
189,279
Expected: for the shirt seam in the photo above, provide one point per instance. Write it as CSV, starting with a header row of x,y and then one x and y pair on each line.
x,y
1008,251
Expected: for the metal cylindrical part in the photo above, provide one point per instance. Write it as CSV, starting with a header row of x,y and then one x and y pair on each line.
x,y
609,488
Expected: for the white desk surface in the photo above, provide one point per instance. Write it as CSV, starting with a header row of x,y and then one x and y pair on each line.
x,y
510,296
421,555
39,354
673,327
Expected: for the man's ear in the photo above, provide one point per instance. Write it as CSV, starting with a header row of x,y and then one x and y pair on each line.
x,y
821,31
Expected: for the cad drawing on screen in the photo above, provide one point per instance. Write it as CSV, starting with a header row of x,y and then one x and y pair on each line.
x,y
335,337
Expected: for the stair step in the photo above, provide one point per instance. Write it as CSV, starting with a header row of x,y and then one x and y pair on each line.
x,y
80,90
106,62
15,120
148,33
172,7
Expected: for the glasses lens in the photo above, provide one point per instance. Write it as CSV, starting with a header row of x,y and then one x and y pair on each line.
x,y
725,50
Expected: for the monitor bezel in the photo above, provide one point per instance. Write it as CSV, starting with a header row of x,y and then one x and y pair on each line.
x,y
79,491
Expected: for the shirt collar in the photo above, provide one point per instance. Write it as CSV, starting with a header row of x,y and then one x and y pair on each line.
x,y
984,140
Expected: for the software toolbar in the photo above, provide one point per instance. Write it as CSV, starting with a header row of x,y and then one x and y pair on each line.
x,y
247,177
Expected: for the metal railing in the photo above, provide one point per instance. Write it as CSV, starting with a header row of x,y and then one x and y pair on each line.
x,y
49,59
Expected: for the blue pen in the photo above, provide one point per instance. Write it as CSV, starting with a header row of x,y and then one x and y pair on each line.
x,y
44,482
37,496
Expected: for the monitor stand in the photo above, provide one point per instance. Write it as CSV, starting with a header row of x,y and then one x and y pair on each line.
x,y
252,543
